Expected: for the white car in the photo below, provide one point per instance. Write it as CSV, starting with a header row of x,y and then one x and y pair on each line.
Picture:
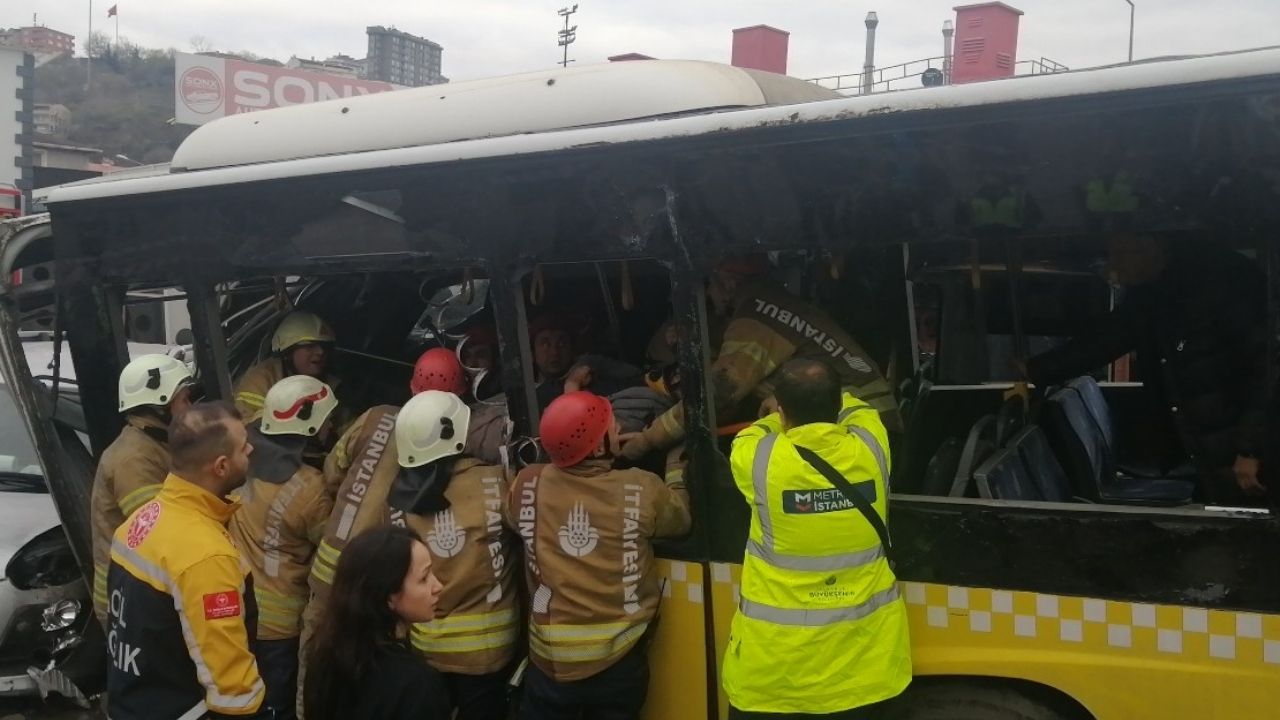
x,y
49,640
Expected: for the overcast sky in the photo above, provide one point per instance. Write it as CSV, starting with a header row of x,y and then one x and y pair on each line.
x,y
494,37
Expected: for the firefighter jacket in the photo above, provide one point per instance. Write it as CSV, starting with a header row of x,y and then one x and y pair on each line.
x,y
769,327
251,390
589,561
474,556
359,470
181,613
476,623
820,627
277,530
128,476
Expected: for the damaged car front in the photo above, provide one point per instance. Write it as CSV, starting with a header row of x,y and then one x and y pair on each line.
x,y
50,642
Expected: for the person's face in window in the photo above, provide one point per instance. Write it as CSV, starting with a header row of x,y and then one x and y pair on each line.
x,y
309,359
415,602
552,353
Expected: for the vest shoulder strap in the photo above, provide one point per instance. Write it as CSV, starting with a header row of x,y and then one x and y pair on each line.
x,y
851,494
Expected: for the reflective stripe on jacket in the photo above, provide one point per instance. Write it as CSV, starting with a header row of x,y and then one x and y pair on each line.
x,y
128,476
182,612
277,530
587,533
820,627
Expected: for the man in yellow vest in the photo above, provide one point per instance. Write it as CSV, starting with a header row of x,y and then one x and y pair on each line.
x,y
820,630
283,518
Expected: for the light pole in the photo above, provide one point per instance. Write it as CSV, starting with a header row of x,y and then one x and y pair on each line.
x,y
948,30
568,35
1131,12
869,66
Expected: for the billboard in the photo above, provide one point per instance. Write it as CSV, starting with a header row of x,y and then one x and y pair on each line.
x,y
207,88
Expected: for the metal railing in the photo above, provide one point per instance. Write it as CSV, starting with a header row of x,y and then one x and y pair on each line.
x,y
892,77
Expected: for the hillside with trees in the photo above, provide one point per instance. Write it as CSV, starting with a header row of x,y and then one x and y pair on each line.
x,y
127,107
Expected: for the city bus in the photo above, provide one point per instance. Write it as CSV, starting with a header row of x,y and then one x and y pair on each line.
x,y
1038,587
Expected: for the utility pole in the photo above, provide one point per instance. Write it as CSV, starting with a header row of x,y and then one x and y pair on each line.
x,y
1131,11
869,67
568,35
948,31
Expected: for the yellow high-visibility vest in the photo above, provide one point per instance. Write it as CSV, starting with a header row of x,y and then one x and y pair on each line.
x,y
820,627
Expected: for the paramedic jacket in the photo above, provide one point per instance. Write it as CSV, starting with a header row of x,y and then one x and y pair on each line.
x,y
181,613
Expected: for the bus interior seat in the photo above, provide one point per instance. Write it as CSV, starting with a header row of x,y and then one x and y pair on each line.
x,y
1010,419
1100,410
941,470
978,446
1080,442
1046,472
1004,476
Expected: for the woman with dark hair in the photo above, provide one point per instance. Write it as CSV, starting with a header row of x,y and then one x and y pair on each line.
x,y
358,665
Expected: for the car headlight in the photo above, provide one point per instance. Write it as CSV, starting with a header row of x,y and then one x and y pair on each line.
x,y
45,561
59,615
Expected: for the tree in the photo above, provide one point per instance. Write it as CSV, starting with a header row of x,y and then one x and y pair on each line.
x,y
201,44
98,45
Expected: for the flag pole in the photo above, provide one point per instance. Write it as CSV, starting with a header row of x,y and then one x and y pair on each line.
x,y
88,56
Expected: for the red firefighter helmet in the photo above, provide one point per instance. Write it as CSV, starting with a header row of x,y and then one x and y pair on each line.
x,y
438,369
573,426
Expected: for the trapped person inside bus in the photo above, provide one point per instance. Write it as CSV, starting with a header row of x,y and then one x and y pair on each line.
x,y
360,667
588,531
559,367
457,503
182,609
285,508
820,630
154,389
1195,313
767,326
299,346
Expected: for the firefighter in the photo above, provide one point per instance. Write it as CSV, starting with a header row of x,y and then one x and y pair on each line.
x,y
456,504
820,630
768,326
154,389
299,346
181,610
363,470
587,531
284,514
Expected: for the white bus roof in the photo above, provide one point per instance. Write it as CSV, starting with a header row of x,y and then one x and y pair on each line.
x,y
515,104
340,158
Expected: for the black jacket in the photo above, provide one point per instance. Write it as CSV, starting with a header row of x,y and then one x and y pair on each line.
x,y
1201,339
400,686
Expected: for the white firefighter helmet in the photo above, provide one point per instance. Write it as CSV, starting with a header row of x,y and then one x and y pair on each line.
x,y
297,405
152,380
431,426
300,327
